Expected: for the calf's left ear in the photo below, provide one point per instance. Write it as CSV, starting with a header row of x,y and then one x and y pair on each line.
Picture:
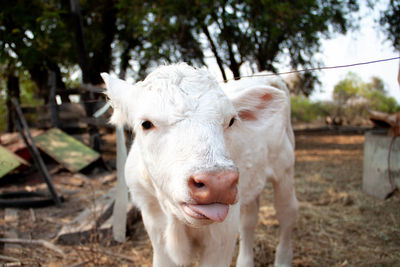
x,y
261,104
119,92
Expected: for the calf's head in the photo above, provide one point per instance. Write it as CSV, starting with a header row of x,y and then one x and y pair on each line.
x,y
184,124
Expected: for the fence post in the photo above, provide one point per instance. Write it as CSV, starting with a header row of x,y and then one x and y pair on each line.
x,y
121,198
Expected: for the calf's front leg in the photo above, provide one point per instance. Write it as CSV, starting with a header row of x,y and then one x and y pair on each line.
x,y
248,222
286,206
155,227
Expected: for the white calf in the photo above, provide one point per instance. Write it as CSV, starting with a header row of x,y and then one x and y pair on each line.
x,y
192,141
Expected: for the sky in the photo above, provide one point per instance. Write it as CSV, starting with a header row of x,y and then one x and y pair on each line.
x,y
368,43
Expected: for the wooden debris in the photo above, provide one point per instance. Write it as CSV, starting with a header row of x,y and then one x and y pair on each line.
x,y
32,215
40,242
14,142
107,228
26,135
109,178
14,261
9,161
67,179
87,224
386,120
65,149
95,223
11,221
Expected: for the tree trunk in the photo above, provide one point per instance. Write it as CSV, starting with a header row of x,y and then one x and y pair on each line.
x,y
102,58
13,91
80,40
39,75
215,52
59,82
125,57
52,99
233,65
398,75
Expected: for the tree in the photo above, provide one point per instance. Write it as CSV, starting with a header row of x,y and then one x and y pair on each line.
x,y
374,93
170,36
390,21
107,35
260,31
351,86
33,38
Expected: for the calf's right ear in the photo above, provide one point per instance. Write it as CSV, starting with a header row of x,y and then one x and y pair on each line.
x,y
119,92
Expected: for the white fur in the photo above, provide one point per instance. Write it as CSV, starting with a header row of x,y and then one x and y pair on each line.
x,y
191,115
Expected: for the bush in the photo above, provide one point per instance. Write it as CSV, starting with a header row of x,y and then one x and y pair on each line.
x,y
379,101
304,110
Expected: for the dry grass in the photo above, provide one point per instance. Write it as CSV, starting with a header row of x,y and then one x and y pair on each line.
x,y
338,225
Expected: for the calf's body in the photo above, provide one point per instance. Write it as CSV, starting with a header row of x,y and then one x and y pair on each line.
x,y
200,159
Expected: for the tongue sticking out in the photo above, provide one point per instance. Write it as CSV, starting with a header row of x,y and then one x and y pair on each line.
x,y
216,211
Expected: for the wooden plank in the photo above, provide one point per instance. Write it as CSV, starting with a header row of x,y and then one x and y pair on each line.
x,y
121,198
9,161
86,225
23,129
107,228
11,222
71,153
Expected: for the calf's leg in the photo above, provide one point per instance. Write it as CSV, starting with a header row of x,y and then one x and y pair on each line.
x,y
220,252
219,241
286,207
248,222
155,227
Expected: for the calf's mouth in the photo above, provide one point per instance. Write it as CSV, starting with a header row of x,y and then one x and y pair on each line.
x,y
216,212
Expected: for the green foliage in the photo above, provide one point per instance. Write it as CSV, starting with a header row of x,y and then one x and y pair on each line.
x,y
304,110
28,97
390,22
39,32
29,92
350,86
354,97
378,100
42,35
353,87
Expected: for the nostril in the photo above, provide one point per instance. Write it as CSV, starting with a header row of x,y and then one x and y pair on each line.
x,y
199,185
196,184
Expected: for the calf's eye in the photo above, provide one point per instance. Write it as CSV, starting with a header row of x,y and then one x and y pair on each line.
x,y
231,122
147,125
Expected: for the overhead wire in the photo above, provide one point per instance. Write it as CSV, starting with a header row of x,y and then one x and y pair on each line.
x,y
291,72
317,68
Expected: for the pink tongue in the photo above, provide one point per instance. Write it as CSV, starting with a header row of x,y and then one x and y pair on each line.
x,y
216,211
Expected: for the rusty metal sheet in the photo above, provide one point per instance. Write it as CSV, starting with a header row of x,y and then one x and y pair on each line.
x,y
71,153
9,161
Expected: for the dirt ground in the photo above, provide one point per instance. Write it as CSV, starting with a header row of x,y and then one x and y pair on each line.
x,y
338,225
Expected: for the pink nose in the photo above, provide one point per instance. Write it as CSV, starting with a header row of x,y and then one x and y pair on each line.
x,y
214,187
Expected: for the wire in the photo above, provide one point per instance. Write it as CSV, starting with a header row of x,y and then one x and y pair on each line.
x,y
288,72
319,68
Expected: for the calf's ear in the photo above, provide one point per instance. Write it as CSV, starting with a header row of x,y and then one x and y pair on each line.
x,y
119,92
260,105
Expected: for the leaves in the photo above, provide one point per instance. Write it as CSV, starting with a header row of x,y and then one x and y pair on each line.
x,y
390,21
353,87
137,35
